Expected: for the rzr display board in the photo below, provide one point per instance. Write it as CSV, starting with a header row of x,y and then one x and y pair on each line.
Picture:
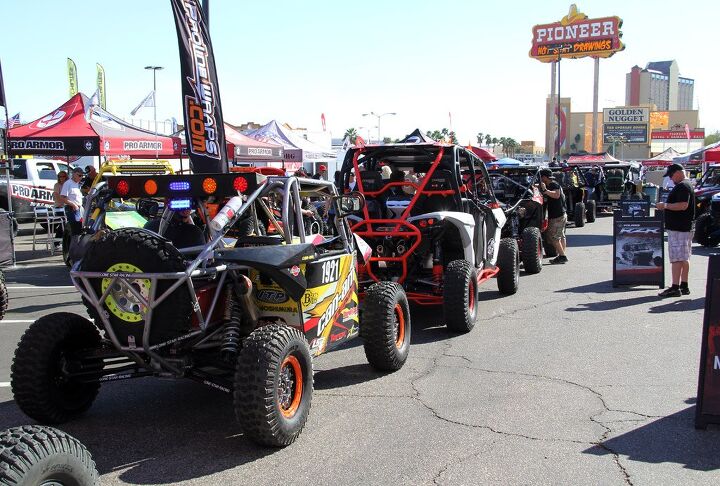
x,y
707,410
634,207
638,250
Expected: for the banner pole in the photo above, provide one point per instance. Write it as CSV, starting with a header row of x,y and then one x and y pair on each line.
x,y
596,76
9,187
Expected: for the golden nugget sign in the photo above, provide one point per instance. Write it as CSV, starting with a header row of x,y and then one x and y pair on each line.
x,y
577,36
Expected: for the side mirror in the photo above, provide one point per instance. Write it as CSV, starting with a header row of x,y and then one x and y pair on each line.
x,y
349,204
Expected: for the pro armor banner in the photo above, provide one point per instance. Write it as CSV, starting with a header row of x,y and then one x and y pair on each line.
x,y
201,96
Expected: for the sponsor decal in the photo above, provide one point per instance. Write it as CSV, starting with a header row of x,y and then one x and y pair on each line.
x,y
317,345
35,194
260,151
332,308
354,330
309,298
271,296
338,336
216,386
640,231
51,119
130,145
57,145
491,247
106,144
350,312
295,270
88,145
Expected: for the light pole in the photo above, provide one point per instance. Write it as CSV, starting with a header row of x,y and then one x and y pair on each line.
x,y
368,132
154,69
372,113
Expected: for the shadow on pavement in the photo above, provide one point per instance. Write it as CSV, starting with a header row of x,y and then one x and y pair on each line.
x,y
604,287
704,251
679,305
46,275
670,439
612,304
158,432
575,240
345,376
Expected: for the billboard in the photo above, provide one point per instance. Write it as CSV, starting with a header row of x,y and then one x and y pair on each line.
x,y
576,36
628,124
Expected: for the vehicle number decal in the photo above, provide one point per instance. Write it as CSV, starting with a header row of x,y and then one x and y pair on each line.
x,y
330,270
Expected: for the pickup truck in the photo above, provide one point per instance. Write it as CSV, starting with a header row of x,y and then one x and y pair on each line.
x,y
32,182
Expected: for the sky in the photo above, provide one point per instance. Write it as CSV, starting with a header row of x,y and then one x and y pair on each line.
x,y
292,61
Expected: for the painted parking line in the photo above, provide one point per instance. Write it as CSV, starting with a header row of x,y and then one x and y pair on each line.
x,y
41,287
16,321
4,384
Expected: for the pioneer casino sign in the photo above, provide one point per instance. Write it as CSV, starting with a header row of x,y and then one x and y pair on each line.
x,y
577,36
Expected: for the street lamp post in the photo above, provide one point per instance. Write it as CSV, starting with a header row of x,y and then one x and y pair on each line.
x,y
154,69
372,113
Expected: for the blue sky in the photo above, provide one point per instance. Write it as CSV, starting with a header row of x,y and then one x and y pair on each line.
x,y
292,61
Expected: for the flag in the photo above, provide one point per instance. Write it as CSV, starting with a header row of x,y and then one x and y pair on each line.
x,y
2,90
450,118
687,131
92,103
149,101
204,131
15,120
101,86
322,119
359,141
72,77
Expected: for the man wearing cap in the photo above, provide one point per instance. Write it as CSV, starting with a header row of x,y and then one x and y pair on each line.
x,y
322,170
557,217
679,215
71,196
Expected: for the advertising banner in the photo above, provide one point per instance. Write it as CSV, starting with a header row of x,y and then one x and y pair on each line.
x,y
204,132
638,251
707,410
625,132
634,207
101,86
72,77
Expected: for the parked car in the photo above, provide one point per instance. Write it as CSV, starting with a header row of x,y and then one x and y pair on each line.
x,y
31,181
707,225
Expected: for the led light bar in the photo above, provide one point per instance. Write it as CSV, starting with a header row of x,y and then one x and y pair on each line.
x,y
180,204
179,186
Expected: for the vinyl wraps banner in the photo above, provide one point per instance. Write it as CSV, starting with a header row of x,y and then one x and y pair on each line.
x,y
201,96
72,77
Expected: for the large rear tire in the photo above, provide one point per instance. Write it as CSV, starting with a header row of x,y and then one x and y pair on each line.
x,y
385,326
531,252
132,250
460,296
508,278
50,347
273,385
591,210
702,230
579,216
35,455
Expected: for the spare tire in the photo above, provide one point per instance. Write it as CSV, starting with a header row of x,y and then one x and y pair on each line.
x,y
133,250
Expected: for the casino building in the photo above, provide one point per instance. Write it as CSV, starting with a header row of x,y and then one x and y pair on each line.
x,y
657,115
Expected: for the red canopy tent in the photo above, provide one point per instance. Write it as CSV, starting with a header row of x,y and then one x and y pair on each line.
x,y
712,155
484,155
78,129
242,148
662,159
596,159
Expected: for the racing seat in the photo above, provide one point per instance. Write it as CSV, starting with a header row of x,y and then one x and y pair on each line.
x,y
182,235
372,181
441,180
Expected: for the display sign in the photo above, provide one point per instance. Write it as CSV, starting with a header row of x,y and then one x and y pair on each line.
x,y
697,134
626,133
639,251
707,410
634,207
576,36
626,114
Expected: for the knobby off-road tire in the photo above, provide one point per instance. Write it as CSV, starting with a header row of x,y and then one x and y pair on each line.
x,y
508,278
3,295
590,210
131,250
702,230
49,346
531,252
385,325
460,296
579,216
33,455
273,385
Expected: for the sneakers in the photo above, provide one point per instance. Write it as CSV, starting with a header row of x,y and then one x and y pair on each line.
x,y
684,290
559,259
671,292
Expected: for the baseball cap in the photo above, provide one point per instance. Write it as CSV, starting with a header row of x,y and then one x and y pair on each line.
x,y
322,167
672,169
546,172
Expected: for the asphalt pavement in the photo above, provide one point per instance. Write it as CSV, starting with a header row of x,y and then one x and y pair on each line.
x,y
570,381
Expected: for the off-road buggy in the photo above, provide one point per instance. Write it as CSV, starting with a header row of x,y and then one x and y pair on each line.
x,y
434,226
579,208
640,255
705,189
243,314
707,226
515,189
621,179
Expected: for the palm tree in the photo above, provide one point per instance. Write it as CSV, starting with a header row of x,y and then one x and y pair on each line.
x,y
494,142
479,138
488,139
351,134
504,144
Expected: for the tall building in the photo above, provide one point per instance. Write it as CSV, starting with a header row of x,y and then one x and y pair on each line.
x,y
659,84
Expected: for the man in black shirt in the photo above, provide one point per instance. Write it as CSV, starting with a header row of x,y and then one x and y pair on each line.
x,y
679,215
556,214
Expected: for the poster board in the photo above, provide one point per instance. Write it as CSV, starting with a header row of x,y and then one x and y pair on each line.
x,y
635,207
707,410
638,251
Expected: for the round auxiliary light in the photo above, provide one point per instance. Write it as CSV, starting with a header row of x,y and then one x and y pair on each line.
x,y
209,185
240,184
122,188
151,187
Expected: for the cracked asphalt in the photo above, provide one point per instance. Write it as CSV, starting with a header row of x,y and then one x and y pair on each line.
x,y
567,382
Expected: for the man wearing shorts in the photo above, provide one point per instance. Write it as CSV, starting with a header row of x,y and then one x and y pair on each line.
x,y
679,215
556,214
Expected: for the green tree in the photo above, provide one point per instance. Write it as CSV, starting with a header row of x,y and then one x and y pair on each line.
x,y
479,138
503,141
351,134
443,135
712,138
453,139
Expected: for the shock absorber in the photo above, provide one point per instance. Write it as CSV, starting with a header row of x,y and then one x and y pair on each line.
x,y
437,268
232,335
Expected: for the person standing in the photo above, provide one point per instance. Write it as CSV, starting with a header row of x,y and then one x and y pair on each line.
x,y
557,217
71,195
679,215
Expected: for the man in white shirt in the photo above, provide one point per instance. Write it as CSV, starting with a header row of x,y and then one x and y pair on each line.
x,y
71,196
